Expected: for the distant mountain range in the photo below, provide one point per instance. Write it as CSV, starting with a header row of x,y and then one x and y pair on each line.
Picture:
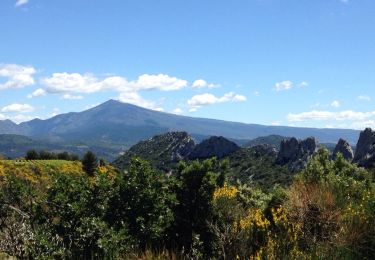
x,y
113,127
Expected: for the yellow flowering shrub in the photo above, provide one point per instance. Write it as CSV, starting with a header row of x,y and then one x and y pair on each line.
x,y
254,218
225,192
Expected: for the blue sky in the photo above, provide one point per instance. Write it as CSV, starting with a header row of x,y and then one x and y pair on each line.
x,y
274,62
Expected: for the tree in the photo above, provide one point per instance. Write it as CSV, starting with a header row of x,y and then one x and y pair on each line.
x,y
32,155
144,203
197,183
89,163
63,156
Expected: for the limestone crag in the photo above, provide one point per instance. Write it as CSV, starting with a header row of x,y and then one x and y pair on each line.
x,y
295,153
215,146
345,149
365,149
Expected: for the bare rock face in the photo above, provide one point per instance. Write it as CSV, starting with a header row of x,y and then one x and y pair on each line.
x,y
295,153
215,146
365,150
345,149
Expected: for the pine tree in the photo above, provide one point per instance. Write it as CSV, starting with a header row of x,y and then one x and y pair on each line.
x,y
89,163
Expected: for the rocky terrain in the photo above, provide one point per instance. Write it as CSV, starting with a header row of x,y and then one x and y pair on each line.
x,y
365,149
161,150
215,146
345,149
296,153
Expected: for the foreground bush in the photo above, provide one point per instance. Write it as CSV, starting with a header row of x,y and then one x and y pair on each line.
x,y
57,211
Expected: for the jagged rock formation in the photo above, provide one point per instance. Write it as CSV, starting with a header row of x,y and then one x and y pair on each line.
x,y
345,149
365,150
160,150
215,146
295,153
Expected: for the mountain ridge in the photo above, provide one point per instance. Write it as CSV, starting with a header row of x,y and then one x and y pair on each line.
x,y
117,126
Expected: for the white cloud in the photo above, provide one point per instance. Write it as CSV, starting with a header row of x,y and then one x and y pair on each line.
x,y
256,93
18,118
177,111
364,98
19,108
75,83
201,83
206,99
135,99
21,2
161,82
37,93
71,97
283,85
21,118
276,123
71,83
17,76
335,104
327,115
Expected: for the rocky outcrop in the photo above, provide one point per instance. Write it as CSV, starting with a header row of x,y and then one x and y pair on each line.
x,y
160,150
295,153
345,149
365,149
215,146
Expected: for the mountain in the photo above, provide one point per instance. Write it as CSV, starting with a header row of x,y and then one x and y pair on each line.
x,y
8,127
115,126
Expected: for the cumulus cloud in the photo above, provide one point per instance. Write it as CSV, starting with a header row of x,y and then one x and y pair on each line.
x,y
87,83
328,115
37,93
17,76
206,99
201,83
335,104
283,85
21,2
19,108
69,84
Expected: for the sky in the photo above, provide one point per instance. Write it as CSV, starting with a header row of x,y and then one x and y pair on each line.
x,y
307,63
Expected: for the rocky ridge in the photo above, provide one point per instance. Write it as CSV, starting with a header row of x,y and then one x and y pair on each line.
x,y
215,146
365,149
161,150
345,149
296,153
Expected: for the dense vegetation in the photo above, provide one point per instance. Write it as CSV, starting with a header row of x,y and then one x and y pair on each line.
x,y
54,209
